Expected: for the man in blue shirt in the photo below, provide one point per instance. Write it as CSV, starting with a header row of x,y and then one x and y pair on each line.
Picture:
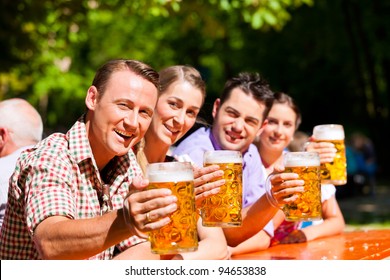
x,y
239,115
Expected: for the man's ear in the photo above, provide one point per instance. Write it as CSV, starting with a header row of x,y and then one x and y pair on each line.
x,y
4,136
216,106
91,98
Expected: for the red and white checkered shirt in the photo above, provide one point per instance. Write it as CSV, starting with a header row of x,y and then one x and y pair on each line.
x,y
59,177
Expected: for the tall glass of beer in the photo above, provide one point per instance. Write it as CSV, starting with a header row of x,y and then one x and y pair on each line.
x,y
180,235
224,208
333,172
308,204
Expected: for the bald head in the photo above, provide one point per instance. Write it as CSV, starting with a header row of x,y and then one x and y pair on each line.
x,y
20,125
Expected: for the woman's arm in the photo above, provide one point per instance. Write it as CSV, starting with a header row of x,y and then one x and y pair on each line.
x,y
333,221
212,245
259,241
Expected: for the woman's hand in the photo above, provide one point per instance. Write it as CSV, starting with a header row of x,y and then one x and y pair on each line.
x,y
207,182
285,187
326,150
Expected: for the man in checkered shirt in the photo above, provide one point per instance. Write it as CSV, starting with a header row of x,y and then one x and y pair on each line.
x,y
80,195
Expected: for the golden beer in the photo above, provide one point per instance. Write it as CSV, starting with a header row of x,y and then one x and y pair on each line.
x,y
180,235
333,172
224,208
308,204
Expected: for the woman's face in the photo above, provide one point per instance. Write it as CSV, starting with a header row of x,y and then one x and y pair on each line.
x,y
176,112
279,130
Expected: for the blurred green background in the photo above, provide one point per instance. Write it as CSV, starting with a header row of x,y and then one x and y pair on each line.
x,y
332,56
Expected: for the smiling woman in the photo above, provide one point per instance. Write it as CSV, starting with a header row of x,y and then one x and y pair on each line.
x,y
182,93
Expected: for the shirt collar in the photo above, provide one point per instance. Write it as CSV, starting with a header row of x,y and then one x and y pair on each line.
x,y
79,146
214,141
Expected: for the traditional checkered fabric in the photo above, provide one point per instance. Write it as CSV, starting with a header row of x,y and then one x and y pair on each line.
x,y
59,177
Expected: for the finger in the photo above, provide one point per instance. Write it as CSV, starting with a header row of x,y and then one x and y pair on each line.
x,y
159,217
279,179
213,176
159,213
153,217
157,224
209,186
328,153
323,152
200,197
139,183
158,203
287,194
327,158
139,209
147,195
278,168
200,171
290,199
319,147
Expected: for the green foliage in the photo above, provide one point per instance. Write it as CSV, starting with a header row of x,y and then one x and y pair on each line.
x,y
53,47
318,51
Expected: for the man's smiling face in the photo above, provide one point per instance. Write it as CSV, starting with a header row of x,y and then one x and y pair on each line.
x,y
237,121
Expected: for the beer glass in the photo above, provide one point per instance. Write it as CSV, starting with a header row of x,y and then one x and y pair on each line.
x,y
333,172
224,208
308,204
180,235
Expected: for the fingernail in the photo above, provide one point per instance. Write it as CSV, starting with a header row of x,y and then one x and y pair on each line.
x,y
173,207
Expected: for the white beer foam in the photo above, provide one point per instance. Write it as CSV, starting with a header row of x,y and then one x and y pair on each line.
x,y
222,158
295,162
164,176
328,133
